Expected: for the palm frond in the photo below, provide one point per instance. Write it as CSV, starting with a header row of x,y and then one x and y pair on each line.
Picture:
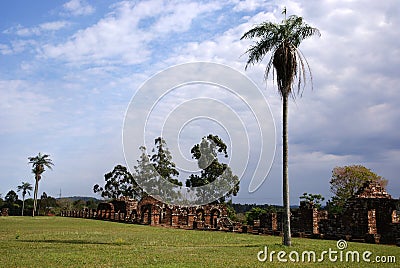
x,y
282,40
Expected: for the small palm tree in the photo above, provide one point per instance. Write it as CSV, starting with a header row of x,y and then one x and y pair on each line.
x,y
26,188
282,40
39,163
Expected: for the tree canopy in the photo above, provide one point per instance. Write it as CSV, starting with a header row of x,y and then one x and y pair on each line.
x,y
212,170
347,180
119,182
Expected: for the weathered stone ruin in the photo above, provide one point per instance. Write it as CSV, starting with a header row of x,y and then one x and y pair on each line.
x,y
4,212
371,215
154,212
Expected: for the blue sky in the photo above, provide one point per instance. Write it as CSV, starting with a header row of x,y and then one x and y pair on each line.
x,y
70,68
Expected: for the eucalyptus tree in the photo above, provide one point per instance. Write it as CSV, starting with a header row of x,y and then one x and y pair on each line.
x,y
26,188
119,182
213,172
39,163
290,69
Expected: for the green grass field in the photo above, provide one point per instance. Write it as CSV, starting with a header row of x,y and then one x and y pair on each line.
x,y
71,242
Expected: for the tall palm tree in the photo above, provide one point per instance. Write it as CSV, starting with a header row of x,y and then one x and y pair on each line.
x,y
25,187
282,40
39,163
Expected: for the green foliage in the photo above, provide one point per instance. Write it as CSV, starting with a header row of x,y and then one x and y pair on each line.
x,y
283,40
25,187
312,200
254,214
347,180
162,162
145,174
11,197
206,153
119,182
166,173
39,163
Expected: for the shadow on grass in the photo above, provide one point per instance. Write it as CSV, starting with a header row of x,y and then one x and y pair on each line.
x,y
75,242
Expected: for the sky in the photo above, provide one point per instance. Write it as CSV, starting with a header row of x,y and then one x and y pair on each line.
x,y
69,71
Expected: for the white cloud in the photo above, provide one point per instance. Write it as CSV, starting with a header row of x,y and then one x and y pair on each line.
x,y
37,30
123,36
78,8
22,108
250,5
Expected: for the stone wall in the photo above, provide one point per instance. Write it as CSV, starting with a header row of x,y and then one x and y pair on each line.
x,y
153,212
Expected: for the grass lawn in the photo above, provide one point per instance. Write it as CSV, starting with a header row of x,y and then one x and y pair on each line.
x,y
71,242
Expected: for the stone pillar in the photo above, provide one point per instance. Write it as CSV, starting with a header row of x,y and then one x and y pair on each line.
x,y
191,219
207,218
274,220
315,221
155,218
175,219
372,222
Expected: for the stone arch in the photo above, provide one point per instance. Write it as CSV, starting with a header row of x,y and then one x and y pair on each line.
x,y
200,214
215,214
165,215
133,217
183,216
145,214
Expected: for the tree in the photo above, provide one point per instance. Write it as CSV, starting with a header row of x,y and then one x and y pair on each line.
x,y
39,163
119,182
166,171
312,200
347,180
282,40
11,197
26,188
12,203
145,174
162,162
254,214
206,153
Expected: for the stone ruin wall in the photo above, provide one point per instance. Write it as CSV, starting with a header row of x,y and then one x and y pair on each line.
x,y
370,216
150,211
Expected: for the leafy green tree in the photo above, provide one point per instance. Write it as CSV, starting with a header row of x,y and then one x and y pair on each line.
x,y
162,162
119,182
145,174
39,163
346,181
12,203
47,204
206,153
166,172
282,40
312,200
11,197
26,188
254,214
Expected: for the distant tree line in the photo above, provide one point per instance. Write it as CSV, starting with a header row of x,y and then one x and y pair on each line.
x,y
46,205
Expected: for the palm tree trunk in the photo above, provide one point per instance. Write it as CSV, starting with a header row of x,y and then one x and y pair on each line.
x,y
287,240
23,204
35,195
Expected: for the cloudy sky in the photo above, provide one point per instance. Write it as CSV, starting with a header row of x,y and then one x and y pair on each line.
x,y
69,69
